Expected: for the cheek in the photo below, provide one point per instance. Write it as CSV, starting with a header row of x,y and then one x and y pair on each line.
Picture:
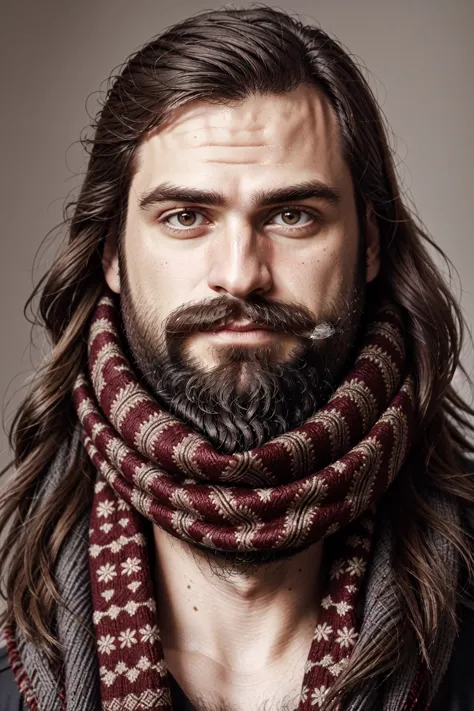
x,y
318,280
160,279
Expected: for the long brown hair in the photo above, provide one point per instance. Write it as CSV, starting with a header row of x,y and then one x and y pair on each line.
x,y
224,56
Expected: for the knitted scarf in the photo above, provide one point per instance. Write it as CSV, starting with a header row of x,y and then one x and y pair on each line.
x,y
322,479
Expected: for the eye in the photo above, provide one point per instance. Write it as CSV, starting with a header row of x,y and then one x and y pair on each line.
x,y
292,217
185,219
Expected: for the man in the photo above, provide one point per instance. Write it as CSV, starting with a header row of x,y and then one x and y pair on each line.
x,y
241,479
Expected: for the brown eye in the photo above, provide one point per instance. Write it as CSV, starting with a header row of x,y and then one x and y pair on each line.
x,y
292,217
186,218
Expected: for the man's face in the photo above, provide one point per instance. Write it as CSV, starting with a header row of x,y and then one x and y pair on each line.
x,y
242,250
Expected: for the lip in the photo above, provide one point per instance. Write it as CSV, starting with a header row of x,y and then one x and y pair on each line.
x,y
243,327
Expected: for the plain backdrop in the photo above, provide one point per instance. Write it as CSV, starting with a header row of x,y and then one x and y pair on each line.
x,y
57,53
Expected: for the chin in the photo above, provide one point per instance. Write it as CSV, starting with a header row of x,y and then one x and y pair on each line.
x,y
243,561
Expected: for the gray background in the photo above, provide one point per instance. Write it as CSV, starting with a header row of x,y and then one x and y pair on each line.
x,y
56,53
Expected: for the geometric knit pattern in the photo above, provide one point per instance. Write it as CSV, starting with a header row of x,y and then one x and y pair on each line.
x,y
321,479
292,491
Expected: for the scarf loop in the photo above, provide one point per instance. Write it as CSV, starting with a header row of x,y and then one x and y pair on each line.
x,y
321,479
293,490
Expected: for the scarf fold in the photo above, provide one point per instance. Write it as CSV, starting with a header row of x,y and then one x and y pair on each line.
x,y
321,479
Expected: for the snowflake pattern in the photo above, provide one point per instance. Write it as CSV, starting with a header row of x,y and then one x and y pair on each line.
x,y
127,638
120,547
343,608
149,633
356,566
335,634
106,573
346,637
106,644
326,602
130,566
105,508
322,632
318,696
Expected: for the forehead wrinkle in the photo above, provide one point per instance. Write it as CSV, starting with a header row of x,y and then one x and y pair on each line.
x,y
240,145
199,132
311,144
230,162
200,126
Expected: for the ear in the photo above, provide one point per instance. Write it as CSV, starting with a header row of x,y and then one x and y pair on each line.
x,y
372,248
110,262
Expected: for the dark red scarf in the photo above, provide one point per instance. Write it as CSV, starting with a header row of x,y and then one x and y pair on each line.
x,y
317,480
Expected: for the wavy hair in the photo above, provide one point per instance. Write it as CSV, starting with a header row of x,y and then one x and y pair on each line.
x,y
222,56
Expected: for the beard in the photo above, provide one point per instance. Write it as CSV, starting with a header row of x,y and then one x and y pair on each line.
x,y
250,395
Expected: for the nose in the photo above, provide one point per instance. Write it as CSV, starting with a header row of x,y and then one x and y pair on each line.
x,y
239,263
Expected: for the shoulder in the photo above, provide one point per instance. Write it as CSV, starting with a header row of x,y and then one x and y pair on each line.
x,y
456,692
10,699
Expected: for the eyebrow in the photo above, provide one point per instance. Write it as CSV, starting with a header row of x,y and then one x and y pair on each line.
x,y
166,192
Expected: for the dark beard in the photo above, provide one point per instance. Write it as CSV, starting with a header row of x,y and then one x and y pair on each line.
x,y
224,564
271,400
249,397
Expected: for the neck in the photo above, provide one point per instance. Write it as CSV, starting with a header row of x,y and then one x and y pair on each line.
x,y
242,621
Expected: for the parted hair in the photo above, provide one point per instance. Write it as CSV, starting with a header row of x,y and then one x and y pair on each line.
x,y
224,56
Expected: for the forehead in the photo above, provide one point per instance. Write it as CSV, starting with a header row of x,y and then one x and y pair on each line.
x,y
264,140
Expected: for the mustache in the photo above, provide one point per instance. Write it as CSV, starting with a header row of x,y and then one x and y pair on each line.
x,y
211,314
